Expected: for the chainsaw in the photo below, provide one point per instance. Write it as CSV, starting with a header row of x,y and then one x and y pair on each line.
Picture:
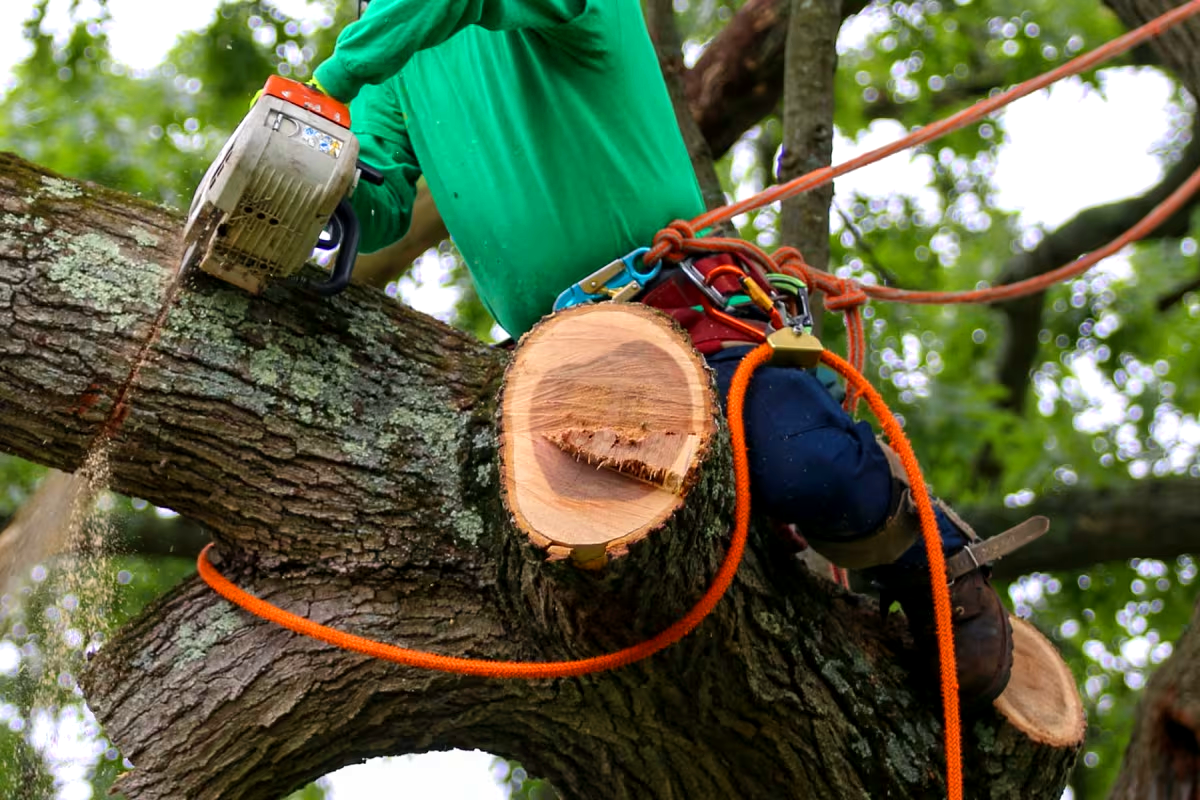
x,y
277,191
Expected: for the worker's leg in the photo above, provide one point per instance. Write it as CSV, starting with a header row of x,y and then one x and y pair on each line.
x,y
812,465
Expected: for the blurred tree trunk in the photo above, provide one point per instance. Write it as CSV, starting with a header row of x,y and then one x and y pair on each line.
x,y
809,72
1163,757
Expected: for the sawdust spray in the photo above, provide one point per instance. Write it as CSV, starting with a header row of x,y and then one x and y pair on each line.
x,y
63,549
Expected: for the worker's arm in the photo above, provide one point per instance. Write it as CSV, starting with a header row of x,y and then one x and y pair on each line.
x,y
383,211
376,47
425,230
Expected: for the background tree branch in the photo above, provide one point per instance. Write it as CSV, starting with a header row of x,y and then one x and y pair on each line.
x,y
739,78
1145,519
1086,231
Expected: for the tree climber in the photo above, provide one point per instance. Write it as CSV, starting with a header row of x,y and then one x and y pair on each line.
x,y
549,144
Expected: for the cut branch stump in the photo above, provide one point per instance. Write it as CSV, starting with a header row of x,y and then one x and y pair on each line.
x,y
607,414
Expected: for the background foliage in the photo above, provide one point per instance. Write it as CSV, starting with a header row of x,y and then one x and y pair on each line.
x,y
1112,395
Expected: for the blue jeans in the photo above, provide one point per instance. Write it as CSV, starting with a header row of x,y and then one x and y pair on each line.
x,y
810,463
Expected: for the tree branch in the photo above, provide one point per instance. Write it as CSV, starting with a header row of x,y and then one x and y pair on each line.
x,y
1088,230
1143,519
342,451
738,79
811,63
1163,756
1178,293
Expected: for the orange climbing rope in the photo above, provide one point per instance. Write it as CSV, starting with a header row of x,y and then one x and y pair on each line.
x,y
679,239
951,734
935,130
560,669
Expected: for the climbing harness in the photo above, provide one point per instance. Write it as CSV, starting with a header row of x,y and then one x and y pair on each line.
x,y
773,275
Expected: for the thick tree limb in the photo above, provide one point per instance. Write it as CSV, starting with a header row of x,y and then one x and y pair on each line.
x,y
809,70
1176,48
342,453
1141,519
738,79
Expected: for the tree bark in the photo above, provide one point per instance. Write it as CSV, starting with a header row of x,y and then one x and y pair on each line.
x,y
1148,519
808,77
342,451
739,78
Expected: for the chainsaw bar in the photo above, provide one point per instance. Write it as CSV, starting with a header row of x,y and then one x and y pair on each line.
x,y
199,237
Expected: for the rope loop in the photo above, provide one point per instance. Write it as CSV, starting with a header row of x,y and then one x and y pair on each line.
x,y
791,261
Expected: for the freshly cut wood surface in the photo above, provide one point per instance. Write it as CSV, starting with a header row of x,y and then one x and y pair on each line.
x,y
606,414
1041,699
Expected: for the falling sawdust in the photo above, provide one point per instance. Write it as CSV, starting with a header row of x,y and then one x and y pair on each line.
x,y
68,538
77,598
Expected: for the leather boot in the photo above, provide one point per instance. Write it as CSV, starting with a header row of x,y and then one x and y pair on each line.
x,y
982,632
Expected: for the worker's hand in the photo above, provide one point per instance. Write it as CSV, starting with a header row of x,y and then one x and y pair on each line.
x,y
312,83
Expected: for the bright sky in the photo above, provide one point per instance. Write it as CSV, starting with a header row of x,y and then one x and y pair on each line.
x,y
1068,149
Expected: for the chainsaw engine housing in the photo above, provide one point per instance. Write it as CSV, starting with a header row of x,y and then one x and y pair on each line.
x,y
271,191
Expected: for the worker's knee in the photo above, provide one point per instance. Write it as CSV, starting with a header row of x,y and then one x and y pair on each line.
x,y
834,483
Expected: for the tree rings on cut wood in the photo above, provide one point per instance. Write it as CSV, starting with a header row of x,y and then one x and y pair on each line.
x,y
606,416
1041,699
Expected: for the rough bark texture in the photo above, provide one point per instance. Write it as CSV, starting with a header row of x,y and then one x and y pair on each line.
x,y
1162,761
1149,519
342,453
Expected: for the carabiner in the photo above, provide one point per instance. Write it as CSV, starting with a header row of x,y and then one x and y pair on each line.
x,y
618,281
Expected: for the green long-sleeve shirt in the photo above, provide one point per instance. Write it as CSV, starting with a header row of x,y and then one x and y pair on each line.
x,y
542,127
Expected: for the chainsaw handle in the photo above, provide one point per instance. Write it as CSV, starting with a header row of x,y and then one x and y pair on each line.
x,y
334,229
369,174
346,221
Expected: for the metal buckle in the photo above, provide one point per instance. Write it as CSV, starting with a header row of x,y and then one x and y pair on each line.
x,y
802,320
618,281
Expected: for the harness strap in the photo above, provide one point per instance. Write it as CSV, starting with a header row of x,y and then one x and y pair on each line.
x,y
676,295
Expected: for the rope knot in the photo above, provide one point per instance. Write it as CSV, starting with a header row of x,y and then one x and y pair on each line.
x,y
843,294
791,261
670,243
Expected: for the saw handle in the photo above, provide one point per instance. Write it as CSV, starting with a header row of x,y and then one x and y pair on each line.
x,y
369,174
344,231
343,234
